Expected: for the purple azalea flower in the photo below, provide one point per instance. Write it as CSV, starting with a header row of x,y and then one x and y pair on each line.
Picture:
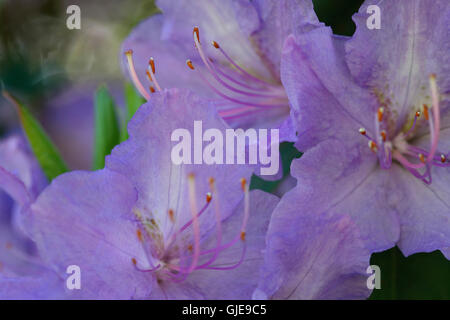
x,y
392,85
233,49
22,178
145,228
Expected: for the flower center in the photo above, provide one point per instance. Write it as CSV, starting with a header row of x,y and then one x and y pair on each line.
x,y
182,254
242,93
400,146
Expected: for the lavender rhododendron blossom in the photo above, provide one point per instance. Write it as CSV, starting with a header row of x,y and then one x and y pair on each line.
x,y
373,116
233,50
22,179
145,228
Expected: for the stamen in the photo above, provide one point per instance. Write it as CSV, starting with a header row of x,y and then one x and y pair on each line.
x,y
190,64
137,83
171,215
133,260
380,114
151,73
425,112
373,146
363,131
383,135
422,158
195,223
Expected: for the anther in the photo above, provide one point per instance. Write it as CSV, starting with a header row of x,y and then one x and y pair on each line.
x,y
152,64
196,33
373,146
380,114
208,197
243,235
425,111
189,64
443,158
383,135
134,261
363,131
152,90
139,235
243,183
417,114
422,157
171,215
215,44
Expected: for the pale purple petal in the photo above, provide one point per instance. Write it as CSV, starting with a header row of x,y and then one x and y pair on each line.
x,y
145,158
397,59
238,283
339,177
278,19
312,254
85,219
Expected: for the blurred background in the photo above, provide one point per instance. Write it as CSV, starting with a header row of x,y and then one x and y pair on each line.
x,y
56,71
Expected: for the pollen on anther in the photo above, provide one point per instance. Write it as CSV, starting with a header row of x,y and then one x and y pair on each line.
x,y
196,32
129,52
171,215
443,158
380,114
215,44
417,114
362,131
425,111
134,261
243,183
152,90
208,197
243,235
190,64
139,235
422,157
373,146
383,135
211,180
151,62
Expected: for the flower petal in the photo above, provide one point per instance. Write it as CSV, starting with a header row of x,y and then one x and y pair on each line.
x,y
325,101
84,219
312,255
278,19
145,158
340,177
238,283
397,59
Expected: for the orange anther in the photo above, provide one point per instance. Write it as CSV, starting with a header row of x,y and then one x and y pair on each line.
x,y
171,215
139,235
196,32
208,197
215,44
380,114
363,131
383,135
243,235
189,64
243,183
422,157
151,62
425,111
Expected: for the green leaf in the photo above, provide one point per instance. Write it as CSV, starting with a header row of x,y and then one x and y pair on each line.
x,y
133,101
43,148
419,276
107,134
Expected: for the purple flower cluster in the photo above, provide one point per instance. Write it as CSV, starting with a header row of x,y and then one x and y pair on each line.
x,y
369,112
